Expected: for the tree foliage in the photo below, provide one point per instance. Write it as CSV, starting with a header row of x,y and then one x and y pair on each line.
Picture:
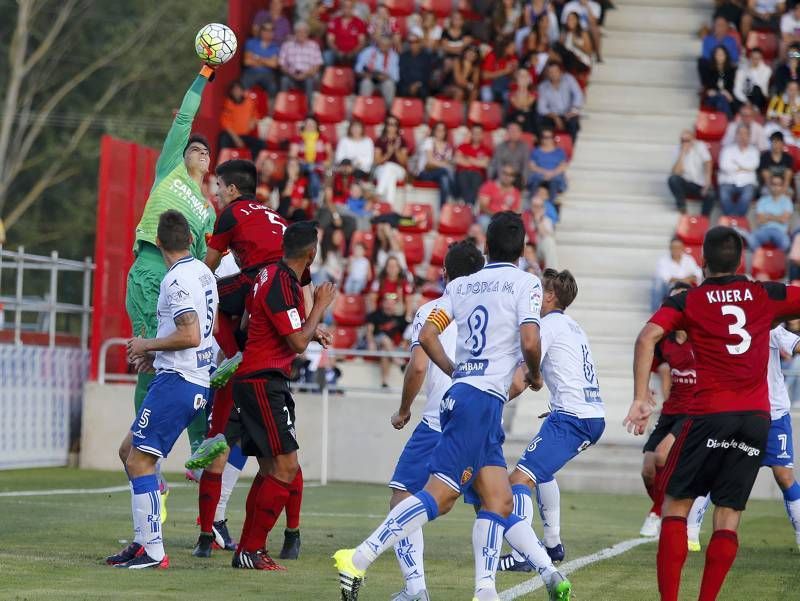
x,y
73,71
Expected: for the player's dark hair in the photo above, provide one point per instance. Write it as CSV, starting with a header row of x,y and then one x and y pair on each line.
x,y
173,231
505,237
298,237
562,284
722,249
240,173
200,139
463,258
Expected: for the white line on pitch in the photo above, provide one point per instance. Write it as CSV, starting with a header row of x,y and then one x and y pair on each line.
x,y
107,490
515,592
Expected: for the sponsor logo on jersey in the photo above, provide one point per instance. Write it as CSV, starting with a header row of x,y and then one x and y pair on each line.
x,y
138,433
176,295
536,299
294,319
204,357
471,368
466,475
199,401
713,443
592,395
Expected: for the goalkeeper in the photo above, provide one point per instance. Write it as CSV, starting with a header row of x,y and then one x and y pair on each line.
x,y
181,166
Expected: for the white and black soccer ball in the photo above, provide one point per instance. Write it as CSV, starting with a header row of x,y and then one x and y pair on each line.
x,y
215,44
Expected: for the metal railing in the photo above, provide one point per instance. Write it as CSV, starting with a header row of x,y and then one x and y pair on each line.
x,y
47,306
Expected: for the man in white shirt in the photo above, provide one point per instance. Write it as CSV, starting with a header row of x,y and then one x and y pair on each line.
x,y
752,80
738,183
746,117
691,173
790,28
672,267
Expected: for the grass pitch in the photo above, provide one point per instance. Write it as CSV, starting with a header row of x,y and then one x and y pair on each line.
x,y
52,547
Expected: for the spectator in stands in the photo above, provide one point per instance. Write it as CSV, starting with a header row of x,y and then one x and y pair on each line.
x,y
530,260
787,71
720,36
718,81
506,18
417,65
691,173
383,24
331,250
378,67
512,151
574,46
751,84
499,195
472,159
392,280
773,213
387,244
548,164
776,161
238,118
334,210
761,15
737,175
560,101
385,332
675,266
359,270
454,38
347,35
790,28
534,52
435,162
463,82
359,206
477,236
294,191
589,13
546,251
497,69
431,31
281,26
540,14
300,61
269,178
746,118
313,152
522,102
357,148
260,64
783,108
391,159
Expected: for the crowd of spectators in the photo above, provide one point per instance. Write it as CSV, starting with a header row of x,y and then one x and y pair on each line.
x,y
510,75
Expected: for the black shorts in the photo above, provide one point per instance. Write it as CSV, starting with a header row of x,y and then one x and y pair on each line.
x,y
234,289
266,412
719,453
666,424
233,428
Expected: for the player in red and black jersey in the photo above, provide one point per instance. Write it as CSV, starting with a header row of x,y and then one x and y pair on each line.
x,y
674,363
719,449
278,329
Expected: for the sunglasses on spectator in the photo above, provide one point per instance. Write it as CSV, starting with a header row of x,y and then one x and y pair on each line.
x,y
509,173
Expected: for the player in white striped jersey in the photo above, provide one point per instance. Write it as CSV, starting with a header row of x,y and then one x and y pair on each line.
x,y
497,314
463,258
576,420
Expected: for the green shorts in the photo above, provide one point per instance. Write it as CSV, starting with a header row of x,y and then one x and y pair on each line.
x,y
141,296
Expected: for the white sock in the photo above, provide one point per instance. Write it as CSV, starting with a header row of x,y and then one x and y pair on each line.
x,y
549,497
694,520
523,509
230,475
147,515
523,539
407,517
409,556
487,540
136,536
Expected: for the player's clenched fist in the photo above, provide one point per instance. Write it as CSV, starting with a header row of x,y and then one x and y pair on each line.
x,y
638,415
400,419
324,294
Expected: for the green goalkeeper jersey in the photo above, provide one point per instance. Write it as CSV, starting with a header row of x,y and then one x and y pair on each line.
x,y
173,188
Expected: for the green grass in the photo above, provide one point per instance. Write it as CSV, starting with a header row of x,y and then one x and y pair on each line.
x,y
52,547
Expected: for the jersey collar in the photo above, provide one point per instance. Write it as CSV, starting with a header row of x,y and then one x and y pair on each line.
x,y
499,264
282,265
244,198
724,279
186,259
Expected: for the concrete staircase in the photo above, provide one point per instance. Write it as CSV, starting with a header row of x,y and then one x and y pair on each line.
x,y
617,215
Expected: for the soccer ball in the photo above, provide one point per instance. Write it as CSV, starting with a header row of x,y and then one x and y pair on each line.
x,y
215,44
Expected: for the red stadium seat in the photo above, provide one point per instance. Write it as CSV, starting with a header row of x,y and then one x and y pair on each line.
x,y
739,223
710,125
345,337
373,131
455,219
338,81
433,286
766,41
261,99
696,252
290,106
365,238
327,131
441,8
411,141
530,226
465,8
692,228
449,112
413,248
278,159
383,208
329,109
423,218
228,154
280,134
440,246
564,141
400,8
487,114
350,310
769,263
795,152
370,110
409,111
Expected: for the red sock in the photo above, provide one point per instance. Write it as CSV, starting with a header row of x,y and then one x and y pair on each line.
x,y
272,497
225,334
294,502
250,510
657,493
210,488
720,555
672,551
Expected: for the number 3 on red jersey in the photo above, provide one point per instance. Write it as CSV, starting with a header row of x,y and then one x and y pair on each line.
x,y
737,329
